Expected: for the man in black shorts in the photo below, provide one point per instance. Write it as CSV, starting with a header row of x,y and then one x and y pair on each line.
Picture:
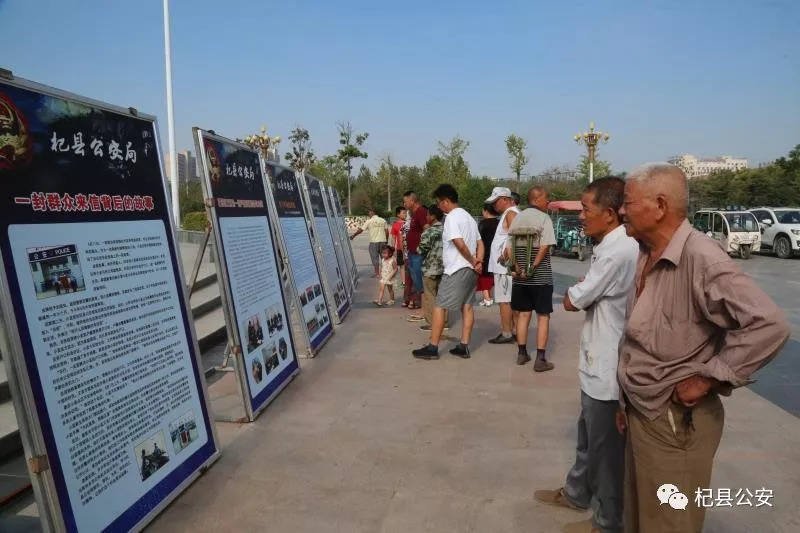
x,y
532,288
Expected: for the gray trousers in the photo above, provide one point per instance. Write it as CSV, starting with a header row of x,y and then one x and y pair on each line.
x,y
596,478
375,253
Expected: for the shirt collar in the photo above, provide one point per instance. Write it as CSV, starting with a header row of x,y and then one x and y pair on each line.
x,y
611,237
674,249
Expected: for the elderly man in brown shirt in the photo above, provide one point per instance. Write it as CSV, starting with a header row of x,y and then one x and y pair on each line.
x,y
697,327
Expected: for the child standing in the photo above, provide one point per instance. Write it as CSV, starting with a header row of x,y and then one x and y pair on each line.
x,y
388,273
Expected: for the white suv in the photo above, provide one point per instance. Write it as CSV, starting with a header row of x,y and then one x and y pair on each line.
x,y
780,229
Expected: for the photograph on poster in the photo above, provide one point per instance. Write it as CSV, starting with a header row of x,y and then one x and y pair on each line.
x,y
312,322
317,290
272,360
274,320
255,333
151,455
56,270
303,298
282,348
183,431
257,368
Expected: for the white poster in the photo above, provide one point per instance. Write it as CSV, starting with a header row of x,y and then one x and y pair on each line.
x,y
306,278
107,331
258,303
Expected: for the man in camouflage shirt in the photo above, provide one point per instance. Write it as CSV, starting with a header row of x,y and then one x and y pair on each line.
x,y
430,247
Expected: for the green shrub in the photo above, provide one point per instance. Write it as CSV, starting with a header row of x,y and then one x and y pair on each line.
x,y
194,221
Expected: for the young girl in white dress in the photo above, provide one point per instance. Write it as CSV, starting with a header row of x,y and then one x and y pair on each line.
x,y
388,275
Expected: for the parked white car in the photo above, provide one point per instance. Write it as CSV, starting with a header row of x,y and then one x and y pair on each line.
x,y
780,229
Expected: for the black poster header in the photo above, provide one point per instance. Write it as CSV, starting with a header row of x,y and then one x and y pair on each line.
x,y
234,173
286,191
315,193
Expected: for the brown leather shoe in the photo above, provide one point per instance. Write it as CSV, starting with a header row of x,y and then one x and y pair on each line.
x,y
556,497
543,366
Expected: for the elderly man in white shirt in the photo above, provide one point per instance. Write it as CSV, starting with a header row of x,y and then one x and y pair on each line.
x,y
596,478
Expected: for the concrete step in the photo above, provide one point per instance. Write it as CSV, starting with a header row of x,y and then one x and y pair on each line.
x,y
205,299
206,276
210,328
14,478
10,442
5,393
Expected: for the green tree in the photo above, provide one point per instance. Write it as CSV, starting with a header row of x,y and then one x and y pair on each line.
x,y
452,153
601,168
516,147
332,171
351,143
191,198
301,155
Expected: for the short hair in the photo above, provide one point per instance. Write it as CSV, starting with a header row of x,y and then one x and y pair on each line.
x,y
490,208
609,192
371,210
445,191
435,212
516,198
540,190
673,185
398,209
411,194
386,246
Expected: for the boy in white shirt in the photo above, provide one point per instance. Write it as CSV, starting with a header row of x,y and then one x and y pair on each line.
x,y
462,257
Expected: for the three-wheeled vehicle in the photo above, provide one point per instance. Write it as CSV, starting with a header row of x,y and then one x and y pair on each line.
x,y
570,238
737,231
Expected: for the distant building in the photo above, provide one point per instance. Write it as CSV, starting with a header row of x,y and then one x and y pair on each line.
x,y
694,167
187,167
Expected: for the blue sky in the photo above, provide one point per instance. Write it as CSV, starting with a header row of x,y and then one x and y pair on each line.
x,y
663,77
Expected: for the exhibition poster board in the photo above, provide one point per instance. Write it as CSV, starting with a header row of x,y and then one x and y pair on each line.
x,y
299,248
337,203
336,235
256,310
344,238
104,364
329,263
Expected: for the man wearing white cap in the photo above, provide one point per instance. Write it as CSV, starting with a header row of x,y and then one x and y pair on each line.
x,y
503,203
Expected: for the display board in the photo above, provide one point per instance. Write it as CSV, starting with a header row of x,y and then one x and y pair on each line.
x,y
299,248
347,248
335,280
256,311
333,227
104,364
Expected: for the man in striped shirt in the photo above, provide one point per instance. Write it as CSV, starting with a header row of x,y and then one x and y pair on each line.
x,y
534,292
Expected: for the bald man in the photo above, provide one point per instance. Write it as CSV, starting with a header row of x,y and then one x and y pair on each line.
x,y
697,327
533,293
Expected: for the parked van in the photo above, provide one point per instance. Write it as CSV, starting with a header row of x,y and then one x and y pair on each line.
x,y
737,231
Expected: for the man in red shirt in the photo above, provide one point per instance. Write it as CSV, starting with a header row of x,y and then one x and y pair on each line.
x,y
398,238
419,217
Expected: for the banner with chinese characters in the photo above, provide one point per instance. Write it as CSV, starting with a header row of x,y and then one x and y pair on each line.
x,y
252,292
93,297
291,216
351,260
323,234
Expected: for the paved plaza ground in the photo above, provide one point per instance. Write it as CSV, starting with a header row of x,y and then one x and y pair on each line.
x,y
368,439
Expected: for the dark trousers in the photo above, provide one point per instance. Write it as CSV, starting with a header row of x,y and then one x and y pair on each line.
x,y
595,479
